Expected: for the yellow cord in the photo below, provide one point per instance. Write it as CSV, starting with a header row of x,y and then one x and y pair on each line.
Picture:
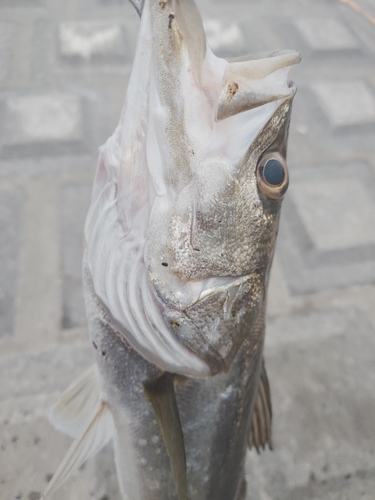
x,y
355,6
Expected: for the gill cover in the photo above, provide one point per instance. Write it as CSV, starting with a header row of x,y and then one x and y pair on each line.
x,y
193,126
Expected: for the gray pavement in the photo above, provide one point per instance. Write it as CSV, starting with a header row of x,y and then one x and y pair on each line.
x,y
64,68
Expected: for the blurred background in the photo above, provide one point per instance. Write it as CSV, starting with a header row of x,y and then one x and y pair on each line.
x,y
64,67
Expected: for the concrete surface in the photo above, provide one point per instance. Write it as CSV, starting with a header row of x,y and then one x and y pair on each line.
x,y
64,68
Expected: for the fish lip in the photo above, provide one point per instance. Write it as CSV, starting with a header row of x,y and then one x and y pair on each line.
x,y
255,80
181,306
234,281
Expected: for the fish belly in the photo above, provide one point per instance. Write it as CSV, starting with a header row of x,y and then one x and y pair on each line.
x,y
215,415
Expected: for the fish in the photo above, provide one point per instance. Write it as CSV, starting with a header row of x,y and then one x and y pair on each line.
x,y
179,242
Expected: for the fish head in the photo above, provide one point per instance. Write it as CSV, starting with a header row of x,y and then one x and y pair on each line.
x,y
198,166
213,230
224,223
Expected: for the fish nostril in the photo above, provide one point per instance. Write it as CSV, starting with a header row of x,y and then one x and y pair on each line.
x,y
165,264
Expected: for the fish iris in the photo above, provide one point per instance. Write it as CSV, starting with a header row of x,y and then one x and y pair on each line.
x,y
273,172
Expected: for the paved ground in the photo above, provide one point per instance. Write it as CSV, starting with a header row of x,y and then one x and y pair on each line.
x,y
63,73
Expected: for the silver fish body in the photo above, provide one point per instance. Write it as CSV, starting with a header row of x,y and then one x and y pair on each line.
x,y
180,238
215,417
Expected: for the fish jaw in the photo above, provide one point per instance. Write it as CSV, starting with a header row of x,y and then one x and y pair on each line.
x,y
177,212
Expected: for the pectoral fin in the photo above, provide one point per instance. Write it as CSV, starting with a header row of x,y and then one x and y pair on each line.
x,y
96,435
76,404
261,425
162,397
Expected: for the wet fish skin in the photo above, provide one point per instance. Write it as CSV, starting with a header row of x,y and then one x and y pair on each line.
x,y
180,238
215,415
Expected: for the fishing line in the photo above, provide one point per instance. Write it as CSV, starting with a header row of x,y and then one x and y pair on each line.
x,y
361,10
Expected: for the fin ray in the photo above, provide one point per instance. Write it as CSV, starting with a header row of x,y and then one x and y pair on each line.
x,y
261,425
97,434
162,397
76,404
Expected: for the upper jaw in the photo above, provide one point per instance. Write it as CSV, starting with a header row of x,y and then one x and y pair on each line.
x,y
248,84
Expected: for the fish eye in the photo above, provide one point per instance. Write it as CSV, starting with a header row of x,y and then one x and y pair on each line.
x,y
272,176
273,172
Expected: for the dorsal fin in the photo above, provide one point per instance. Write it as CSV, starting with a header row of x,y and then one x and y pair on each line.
x,y
161,394
261,425
96,435
76,404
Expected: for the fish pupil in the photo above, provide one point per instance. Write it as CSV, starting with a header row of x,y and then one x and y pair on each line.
x,y
273,172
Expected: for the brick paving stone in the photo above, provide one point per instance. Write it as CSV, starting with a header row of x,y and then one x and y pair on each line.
x,y
32,385
6,32
75,201
318,237
43,372
84,50
325,211
40,124
285,331
27,465
320,344
224,37
326,34
43,118
21,3
92,39
346,102
314,141
348,487
11,202
322,377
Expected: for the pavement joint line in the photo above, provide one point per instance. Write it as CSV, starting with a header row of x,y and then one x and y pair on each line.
x,y
39,285
259,476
